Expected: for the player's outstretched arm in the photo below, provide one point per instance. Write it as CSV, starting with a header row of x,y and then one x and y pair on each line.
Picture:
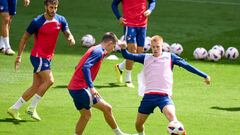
x,y
21,47
69,37
130,56
182,63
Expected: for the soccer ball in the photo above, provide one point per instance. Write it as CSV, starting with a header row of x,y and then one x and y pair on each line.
x,y
220,49
176,48
165,47
147,44
176,128
214,55
88,40
232,53
200,53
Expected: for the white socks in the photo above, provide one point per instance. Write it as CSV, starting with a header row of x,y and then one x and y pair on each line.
x,y
117,131
5,41
35,101
122,65
19,103
1,43
128,76
128,72
142,133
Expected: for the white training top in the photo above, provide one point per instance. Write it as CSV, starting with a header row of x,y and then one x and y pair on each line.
x,y
157,75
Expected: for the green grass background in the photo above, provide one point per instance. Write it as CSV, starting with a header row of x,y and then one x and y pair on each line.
x,y
204,110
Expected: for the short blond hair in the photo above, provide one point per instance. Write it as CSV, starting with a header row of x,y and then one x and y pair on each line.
x,y
156,38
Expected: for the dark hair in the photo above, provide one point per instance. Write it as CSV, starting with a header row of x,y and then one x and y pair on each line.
x,y
109,36
54,2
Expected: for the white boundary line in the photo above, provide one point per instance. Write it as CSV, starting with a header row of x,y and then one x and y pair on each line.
x,y
208,2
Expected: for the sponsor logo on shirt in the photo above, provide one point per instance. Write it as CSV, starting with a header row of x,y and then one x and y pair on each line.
x,y
58,26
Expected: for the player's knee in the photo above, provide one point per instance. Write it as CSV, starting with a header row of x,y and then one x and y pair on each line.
x,y
50,82
108,109
86,116
132,48
140,50
6,20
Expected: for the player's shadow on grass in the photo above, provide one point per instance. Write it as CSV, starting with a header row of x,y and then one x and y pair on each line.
x,y
11,120
231,109
60,86
110,85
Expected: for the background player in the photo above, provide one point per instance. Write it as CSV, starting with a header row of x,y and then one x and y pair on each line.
x,y
7,11
134,19
46,28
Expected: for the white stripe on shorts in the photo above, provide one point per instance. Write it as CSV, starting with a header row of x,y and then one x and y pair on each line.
x,y
125,34
90,96
39,66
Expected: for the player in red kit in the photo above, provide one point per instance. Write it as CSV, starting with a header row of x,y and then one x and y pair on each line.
x,y
134,18
81,87
46,28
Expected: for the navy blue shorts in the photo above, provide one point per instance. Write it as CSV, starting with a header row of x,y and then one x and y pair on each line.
x,y
151,101
135,35
8,6
40,64
83,98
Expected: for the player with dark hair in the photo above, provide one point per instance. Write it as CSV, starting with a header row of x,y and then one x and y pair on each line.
x,y
46,28
81,86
